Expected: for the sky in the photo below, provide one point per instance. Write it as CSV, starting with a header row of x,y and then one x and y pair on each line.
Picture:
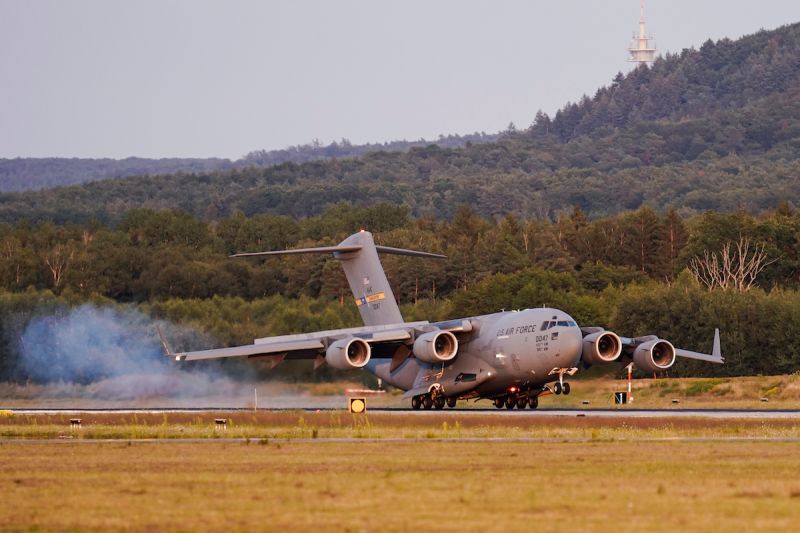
x,y
203,78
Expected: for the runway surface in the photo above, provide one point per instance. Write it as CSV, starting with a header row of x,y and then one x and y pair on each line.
x,y
608,413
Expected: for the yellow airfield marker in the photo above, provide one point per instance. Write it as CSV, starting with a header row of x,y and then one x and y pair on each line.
x,y
357,405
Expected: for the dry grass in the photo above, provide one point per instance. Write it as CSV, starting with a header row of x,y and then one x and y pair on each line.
x,y
340,424
399,486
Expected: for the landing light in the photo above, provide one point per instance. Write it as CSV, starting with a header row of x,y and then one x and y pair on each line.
x,y
512,389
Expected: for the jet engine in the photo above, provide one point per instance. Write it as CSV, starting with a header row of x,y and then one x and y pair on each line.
x,y
654,355
436,347
348,354
601,347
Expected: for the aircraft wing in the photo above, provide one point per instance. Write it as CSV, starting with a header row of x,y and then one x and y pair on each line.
x,y
311,345
714,357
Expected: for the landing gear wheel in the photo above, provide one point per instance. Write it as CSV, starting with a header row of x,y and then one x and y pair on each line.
x,y
522,402
534,402
510,402
557,388
566,388
498,402
416,402
438,402
427,402
451,402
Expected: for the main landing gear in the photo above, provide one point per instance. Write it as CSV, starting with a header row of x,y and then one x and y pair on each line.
x,y
519,400
433,399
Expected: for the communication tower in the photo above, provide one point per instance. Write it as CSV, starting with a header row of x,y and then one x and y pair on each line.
x,y
641,50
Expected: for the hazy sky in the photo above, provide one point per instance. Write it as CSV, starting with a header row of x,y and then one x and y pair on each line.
x,y
201,78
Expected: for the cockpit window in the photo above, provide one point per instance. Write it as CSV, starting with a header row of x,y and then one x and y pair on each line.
x,y
563,323
571,323
545,325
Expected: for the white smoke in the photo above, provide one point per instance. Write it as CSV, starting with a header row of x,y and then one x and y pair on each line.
x,y
115,354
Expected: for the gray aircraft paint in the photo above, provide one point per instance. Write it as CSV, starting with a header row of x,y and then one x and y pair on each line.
x,y
497,359
499,355
368,283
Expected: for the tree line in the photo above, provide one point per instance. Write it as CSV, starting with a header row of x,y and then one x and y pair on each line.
x,y
155,255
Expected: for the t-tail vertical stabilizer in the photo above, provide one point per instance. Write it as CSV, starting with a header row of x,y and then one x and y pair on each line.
x,y
362,266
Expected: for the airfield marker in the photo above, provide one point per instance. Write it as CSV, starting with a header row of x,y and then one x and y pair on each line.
x,y
357,405
630,371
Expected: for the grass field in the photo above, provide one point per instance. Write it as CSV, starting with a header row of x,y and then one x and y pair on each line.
x,y
280,485
294,425
443,471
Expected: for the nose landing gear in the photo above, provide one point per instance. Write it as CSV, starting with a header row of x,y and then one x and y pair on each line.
x,y
561,386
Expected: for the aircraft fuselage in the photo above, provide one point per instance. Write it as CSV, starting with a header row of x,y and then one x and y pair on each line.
x,y
518,349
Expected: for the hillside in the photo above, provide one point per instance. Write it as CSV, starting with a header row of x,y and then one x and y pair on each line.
x,y
25,174
714,128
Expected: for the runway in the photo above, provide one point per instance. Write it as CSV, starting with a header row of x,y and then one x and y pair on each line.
x,y
763,414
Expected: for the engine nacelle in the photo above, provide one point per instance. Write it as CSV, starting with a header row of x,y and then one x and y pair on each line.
x,y
436,347
348,354
654,356
601,347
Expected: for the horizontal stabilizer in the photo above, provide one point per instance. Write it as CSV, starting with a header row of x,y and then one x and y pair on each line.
x,y
319,250
342,250
403,251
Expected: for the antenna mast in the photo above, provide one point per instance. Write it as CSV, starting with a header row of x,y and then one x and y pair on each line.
x,y
640,49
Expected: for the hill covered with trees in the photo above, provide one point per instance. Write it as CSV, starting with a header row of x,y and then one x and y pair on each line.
x,y
714,128
24,174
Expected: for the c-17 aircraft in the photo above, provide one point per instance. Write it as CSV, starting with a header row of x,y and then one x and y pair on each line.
x,y
511,358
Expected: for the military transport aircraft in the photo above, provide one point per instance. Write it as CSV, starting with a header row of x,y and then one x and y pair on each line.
x,y
511,358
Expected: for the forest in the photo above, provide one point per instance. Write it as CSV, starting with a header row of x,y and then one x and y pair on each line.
x,y
631,271
26,174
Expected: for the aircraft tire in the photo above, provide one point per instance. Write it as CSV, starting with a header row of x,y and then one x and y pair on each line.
x,y
557,388
534,403
427,402
498,402
416,403
451,402
511,402
438,402
566,388
522,402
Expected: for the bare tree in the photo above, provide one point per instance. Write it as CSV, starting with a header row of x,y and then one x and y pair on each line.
x,y
736,267
57,260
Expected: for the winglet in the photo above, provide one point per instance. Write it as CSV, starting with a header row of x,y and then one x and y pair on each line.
x,y
714,357
167,349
